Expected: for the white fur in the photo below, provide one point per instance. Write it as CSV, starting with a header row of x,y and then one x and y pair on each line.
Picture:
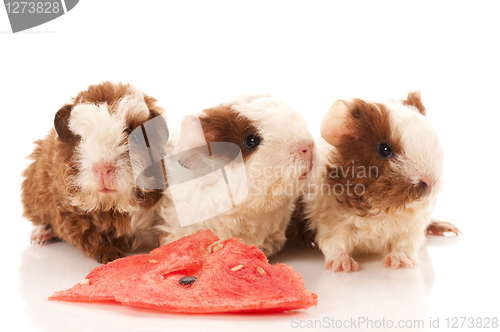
x,y
341,232
272,175
103,142
423,156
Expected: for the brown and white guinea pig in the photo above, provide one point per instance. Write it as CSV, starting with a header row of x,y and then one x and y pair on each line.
x,y
251,156
80,187
376,179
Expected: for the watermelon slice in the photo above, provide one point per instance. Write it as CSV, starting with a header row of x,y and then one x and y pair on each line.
x,y
196,275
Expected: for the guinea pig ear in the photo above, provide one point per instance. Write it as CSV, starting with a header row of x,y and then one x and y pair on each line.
x,y
61,124
415,99
191,147
191,135
335,123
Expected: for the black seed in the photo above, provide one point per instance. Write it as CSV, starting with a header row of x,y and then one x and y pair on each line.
x,y
187,280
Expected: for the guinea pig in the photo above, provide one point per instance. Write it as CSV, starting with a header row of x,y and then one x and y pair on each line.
x,y
80,186
247,159
377,175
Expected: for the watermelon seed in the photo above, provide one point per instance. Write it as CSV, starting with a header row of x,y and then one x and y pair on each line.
x,y
153,261
261,270
85,282
237,267
187,280
214,247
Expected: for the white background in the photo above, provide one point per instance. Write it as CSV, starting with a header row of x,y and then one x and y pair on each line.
x,y
192,55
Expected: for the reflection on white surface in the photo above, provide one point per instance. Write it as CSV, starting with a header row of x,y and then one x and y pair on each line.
x,y
373,292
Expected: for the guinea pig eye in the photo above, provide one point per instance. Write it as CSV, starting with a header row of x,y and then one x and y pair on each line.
x,y
251,141
385,150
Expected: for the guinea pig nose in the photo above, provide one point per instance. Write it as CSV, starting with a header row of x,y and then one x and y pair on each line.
x,y
103,171
426,184
306,150
423,184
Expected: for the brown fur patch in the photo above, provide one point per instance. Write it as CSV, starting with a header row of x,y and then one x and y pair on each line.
x,y
105,92
381,187
221,124
61,124
46,193
148,198
297,232
67,139
111,93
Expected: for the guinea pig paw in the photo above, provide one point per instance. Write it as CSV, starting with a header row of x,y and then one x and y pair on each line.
x,y
399,259
107,254
40,234
442,228
341,263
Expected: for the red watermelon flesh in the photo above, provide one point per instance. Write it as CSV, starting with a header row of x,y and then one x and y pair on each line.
x,y
235,278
